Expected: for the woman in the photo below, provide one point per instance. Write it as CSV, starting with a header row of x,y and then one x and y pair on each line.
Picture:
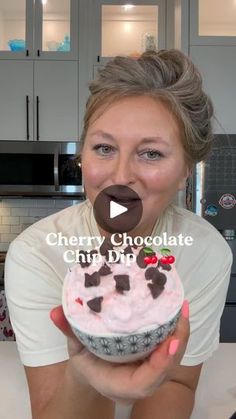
x,y
147,123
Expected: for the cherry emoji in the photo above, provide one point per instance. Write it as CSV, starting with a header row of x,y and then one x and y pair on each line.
x,y
171,259
154,259
164,260
148,260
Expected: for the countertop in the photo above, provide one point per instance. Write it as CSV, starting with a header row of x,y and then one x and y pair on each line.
x,y
215,398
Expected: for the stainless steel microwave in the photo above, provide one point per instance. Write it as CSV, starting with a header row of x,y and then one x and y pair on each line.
x,y
40,169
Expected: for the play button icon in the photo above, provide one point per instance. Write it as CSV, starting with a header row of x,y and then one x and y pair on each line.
x,y
118,209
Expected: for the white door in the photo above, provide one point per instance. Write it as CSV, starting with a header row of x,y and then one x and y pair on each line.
x,y
56,100
16,100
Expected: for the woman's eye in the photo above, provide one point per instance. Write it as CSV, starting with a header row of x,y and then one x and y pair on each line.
x,y
152,155
103,149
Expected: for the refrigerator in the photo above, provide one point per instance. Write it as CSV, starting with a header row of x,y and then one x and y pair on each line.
x,y
211,193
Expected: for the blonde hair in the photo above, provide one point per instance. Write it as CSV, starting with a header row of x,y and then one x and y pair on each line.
x,y
168,76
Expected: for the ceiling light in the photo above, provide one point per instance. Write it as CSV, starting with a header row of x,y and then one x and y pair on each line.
x,y
44,2
128,6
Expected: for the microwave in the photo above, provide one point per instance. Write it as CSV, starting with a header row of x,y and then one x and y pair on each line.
x,y
40,169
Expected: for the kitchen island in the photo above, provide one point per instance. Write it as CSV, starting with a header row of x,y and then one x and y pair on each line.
x,y
215,398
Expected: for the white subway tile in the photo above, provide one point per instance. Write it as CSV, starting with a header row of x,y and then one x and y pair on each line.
x,y
5,228
19,211
45,203
4,247
38,212
14,229
52,211
29,220
10,220
63,203
8,237
5,212
19,203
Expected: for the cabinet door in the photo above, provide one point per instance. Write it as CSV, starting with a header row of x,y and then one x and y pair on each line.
x,y
212,22
218,68
16,100
56,29
56,101
16,29
126,29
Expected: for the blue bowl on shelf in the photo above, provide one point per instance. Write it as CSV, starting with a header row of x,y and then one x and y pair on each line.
x,y
17,45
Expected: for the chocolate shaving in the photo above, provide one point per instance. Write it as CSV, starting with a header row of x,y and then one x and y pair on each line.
x,y
122,282
150,273
86,263
92,280
156,276
155,289
105,270
128,250
106,245
95,304
140,259
164,266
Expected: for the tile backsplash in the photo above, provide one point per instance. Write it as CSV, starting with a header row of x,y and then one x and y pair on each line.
x,y
18,214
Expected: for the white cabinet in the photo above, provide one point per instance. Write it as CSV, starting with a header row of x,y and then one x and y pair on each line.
x,y
38,29
56,100
16,100
212,22
38,100
126,29
218,68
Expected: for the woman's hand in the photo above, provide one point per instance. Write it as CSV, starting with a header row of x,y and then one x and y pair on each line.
x,y
126,383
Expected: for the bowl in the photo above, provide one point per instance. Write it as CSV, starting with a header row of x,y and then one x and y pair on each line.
x,y
17,44
53,45
122,347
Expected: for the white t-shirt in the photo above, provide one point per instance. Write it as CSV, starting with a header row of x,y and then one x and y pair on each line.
x,y
35,272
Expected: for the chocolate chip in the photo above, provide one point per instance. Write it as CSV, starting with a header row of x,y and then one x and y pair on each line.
x,y
105,270
92,280
164,266
84,260
155,289
95,304
122,282
150,273
156,276
159,279
106,245
128,250
140,259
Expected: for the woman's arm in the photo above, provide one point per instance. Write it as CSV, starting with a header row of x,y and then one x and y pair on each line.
x,y
56,393
172,400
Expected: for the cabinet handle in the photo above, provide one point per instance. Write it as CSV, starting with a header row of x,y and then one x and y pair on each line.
x,y
38,52
27,53
56,170
37,118
27,118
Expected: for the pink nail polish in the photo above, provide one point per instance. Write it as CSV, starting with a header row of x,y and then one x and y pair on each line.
x,y
185,309
174,344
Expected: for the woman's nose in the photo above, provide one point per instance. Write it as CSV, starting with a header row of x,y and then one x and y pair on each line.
x,y
124,171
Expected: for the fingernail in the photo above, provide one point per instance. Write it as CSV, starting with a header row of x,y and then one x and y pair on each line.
x,y
185,309
51,313
174,344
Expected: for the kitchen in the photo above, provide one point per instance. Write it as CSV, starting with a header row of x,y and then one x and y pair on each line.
x,y
43,90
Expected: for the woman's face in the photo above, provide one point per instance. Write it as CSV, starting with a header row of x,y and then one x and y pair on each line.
x,y
136,143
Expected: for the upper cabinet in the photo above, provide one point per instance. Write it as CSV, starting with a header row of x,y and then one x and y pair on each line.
x,y
212,22
126,29
39,29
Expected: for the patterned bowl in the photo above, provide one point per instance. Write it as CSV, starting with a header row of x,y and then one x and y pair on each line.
x,y
123,347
